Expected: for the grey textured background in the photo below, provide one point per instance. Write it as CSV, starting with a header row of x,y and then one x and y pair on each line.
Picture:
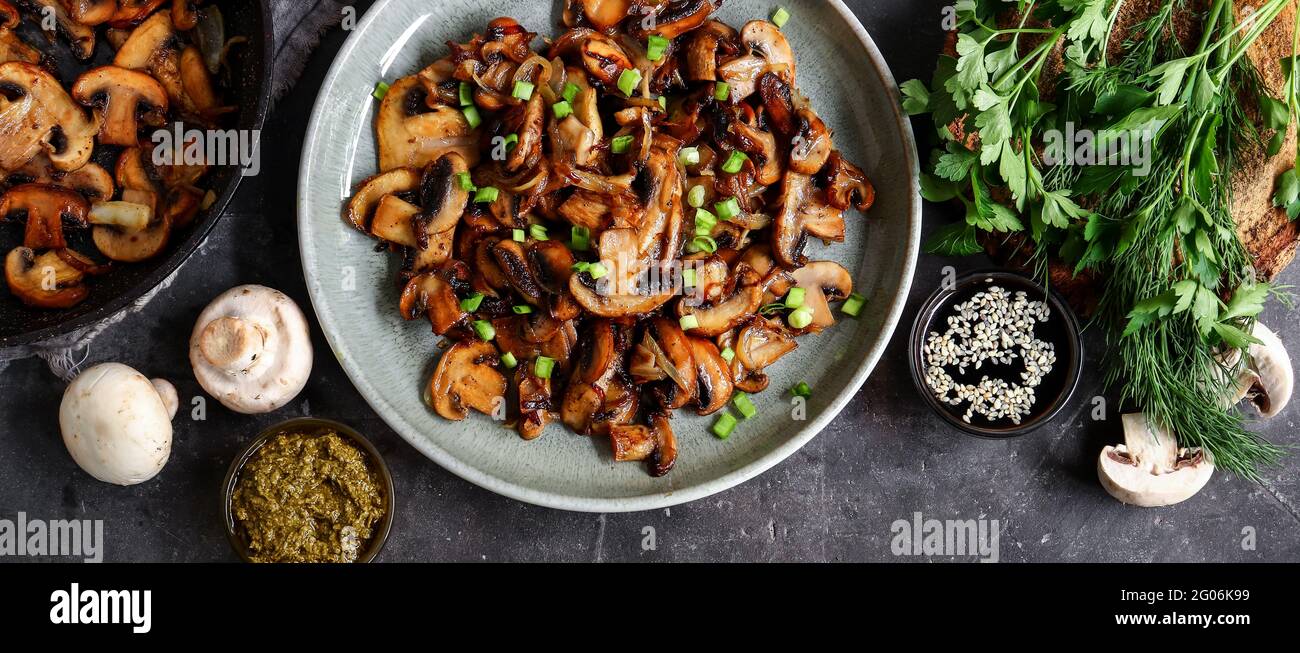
x,y
885,458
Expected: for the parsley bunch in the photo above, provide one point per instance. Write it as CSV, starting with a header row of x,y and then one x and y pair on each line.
x,y
1178,291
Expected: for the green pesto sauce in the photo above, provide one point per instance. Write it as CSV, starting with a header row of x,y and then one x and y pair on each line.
x,y
308,498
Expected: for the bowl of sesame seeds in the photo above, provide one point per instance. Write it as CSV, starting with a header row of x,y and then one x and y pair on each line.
x,y
996,354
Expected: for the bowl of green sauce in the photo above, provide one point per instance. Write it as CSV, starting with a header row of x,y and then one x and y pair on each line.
x,y
308,491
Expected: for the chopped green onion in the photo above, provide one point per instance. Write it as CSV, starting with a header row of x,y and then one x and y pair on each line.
x,y
801,390
735,162
542,368
728,209
511,141
562,109
853,305
522,309
472,117
703,217
801,317
484,329
471,303
724,426
519,236
628,81
780,17
381,89
538,232
486,195
704,244
689,322
688,278
508,359
663,102
597,270
721,91
696,196
464,182
689,156
571,91
523,90
581,266
621,144
794,299
703,229
580,239
728,354
655,47
466,95
744,405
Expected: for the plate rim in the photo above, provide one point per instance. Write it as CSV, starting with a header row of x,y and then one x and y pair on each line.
x,y
655,500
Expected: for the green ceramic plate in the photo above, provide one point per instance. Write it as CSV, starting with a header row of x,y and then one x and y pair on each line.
x,y
390,361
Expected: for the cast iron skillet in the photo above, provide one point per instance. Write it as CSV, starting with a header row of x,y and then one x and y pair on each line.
x,y
249,87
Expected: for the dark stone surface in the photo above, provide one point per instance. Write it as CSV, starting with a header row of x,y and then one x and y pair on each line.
x,y
885,458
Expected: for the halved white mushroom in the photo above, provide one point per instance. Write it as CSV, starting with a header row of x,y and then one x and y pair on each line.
x,y
1269,370
1149,469
251,349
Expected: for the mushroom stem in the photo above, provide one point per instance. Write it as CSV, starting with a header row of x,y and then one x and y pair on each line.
x,y
232,344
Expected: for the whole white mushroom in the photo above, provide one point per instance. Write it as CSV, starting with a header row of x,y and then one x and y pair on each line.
x,y
251,349
116,425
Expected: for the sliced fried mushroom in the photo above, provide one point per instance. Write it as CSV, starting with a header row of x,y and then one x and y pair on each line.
x,y
91,180
434,295
91,12
674,356
393,221
442,198
656,444
767,51
677,17
760,343
361,208
1149,469
605,15
623,291
133,246
12,47
597,394
528,151
133,12
719,317
122,99
80,36
811,147
535,403
44,281
467,378
847,186
601,56
714,385
184,14
251,349
410,135
552,264
513,260
43,114
823,282
702,50
790,226
46,209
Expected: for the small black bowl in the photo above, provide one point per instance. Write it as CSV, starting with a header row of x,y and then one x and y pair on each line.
x,y
308,425
1061,329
